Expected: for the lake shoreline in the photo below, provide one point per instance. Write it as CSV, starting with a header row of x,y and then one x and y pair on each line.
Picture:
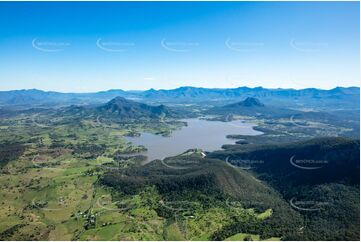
x,y
197,134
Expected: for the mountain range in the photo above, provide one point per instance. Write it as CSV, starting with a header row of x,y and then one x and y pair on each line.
x,y
339,97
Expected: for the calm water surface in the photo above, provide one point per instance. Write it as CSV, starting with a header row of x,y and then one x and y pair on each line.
x,y
202,134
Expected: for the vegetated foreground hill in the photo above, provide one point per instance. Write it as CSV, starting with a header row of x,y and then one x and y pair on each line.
x,y
320,178
212,183
310,162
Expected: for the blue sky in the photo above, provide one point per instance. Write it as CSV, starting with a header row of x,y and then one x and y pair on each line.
x,y
78,46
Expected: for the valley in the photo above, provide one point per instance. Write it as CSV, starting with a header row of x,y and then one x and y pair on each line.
x,y
126,170
180,120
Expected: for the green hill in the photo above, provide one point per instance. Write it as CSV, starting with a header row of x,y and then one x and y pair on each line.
x,y
121,107
118,108
315,161
211,182
319,178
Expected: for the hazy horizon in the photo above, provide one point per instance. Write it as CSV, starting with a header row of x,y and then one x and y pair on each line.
x,y
158,89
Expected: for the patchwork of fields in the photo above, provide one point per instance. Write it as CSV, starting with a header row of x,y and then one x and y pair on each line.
x,y
51,190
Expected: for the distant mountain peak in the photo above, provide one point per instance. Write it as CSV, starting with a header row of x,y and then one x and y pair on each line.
x,y
249,106
122,107
119,99
249,102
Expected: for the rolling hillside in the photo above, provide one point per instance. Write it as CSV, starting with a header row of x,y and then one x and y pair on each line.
x,y
319,177
211,182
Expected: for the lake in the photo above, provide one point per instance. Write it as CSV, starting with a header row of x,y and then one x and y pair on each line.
x,y
202,134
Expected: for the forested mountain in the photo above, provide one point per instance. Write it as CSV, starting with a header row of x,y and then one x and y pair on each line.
x,y
118,108
121,107
248,102
319,177
212,183
252,107
310,162
340,97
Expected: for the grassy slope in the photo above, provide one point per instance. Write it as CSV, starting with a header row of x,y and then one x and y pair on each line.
x,y
219,182
332,189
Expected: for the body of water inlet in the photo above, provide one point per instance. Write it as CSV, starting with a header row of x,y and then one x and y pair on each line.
x,y
199,133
